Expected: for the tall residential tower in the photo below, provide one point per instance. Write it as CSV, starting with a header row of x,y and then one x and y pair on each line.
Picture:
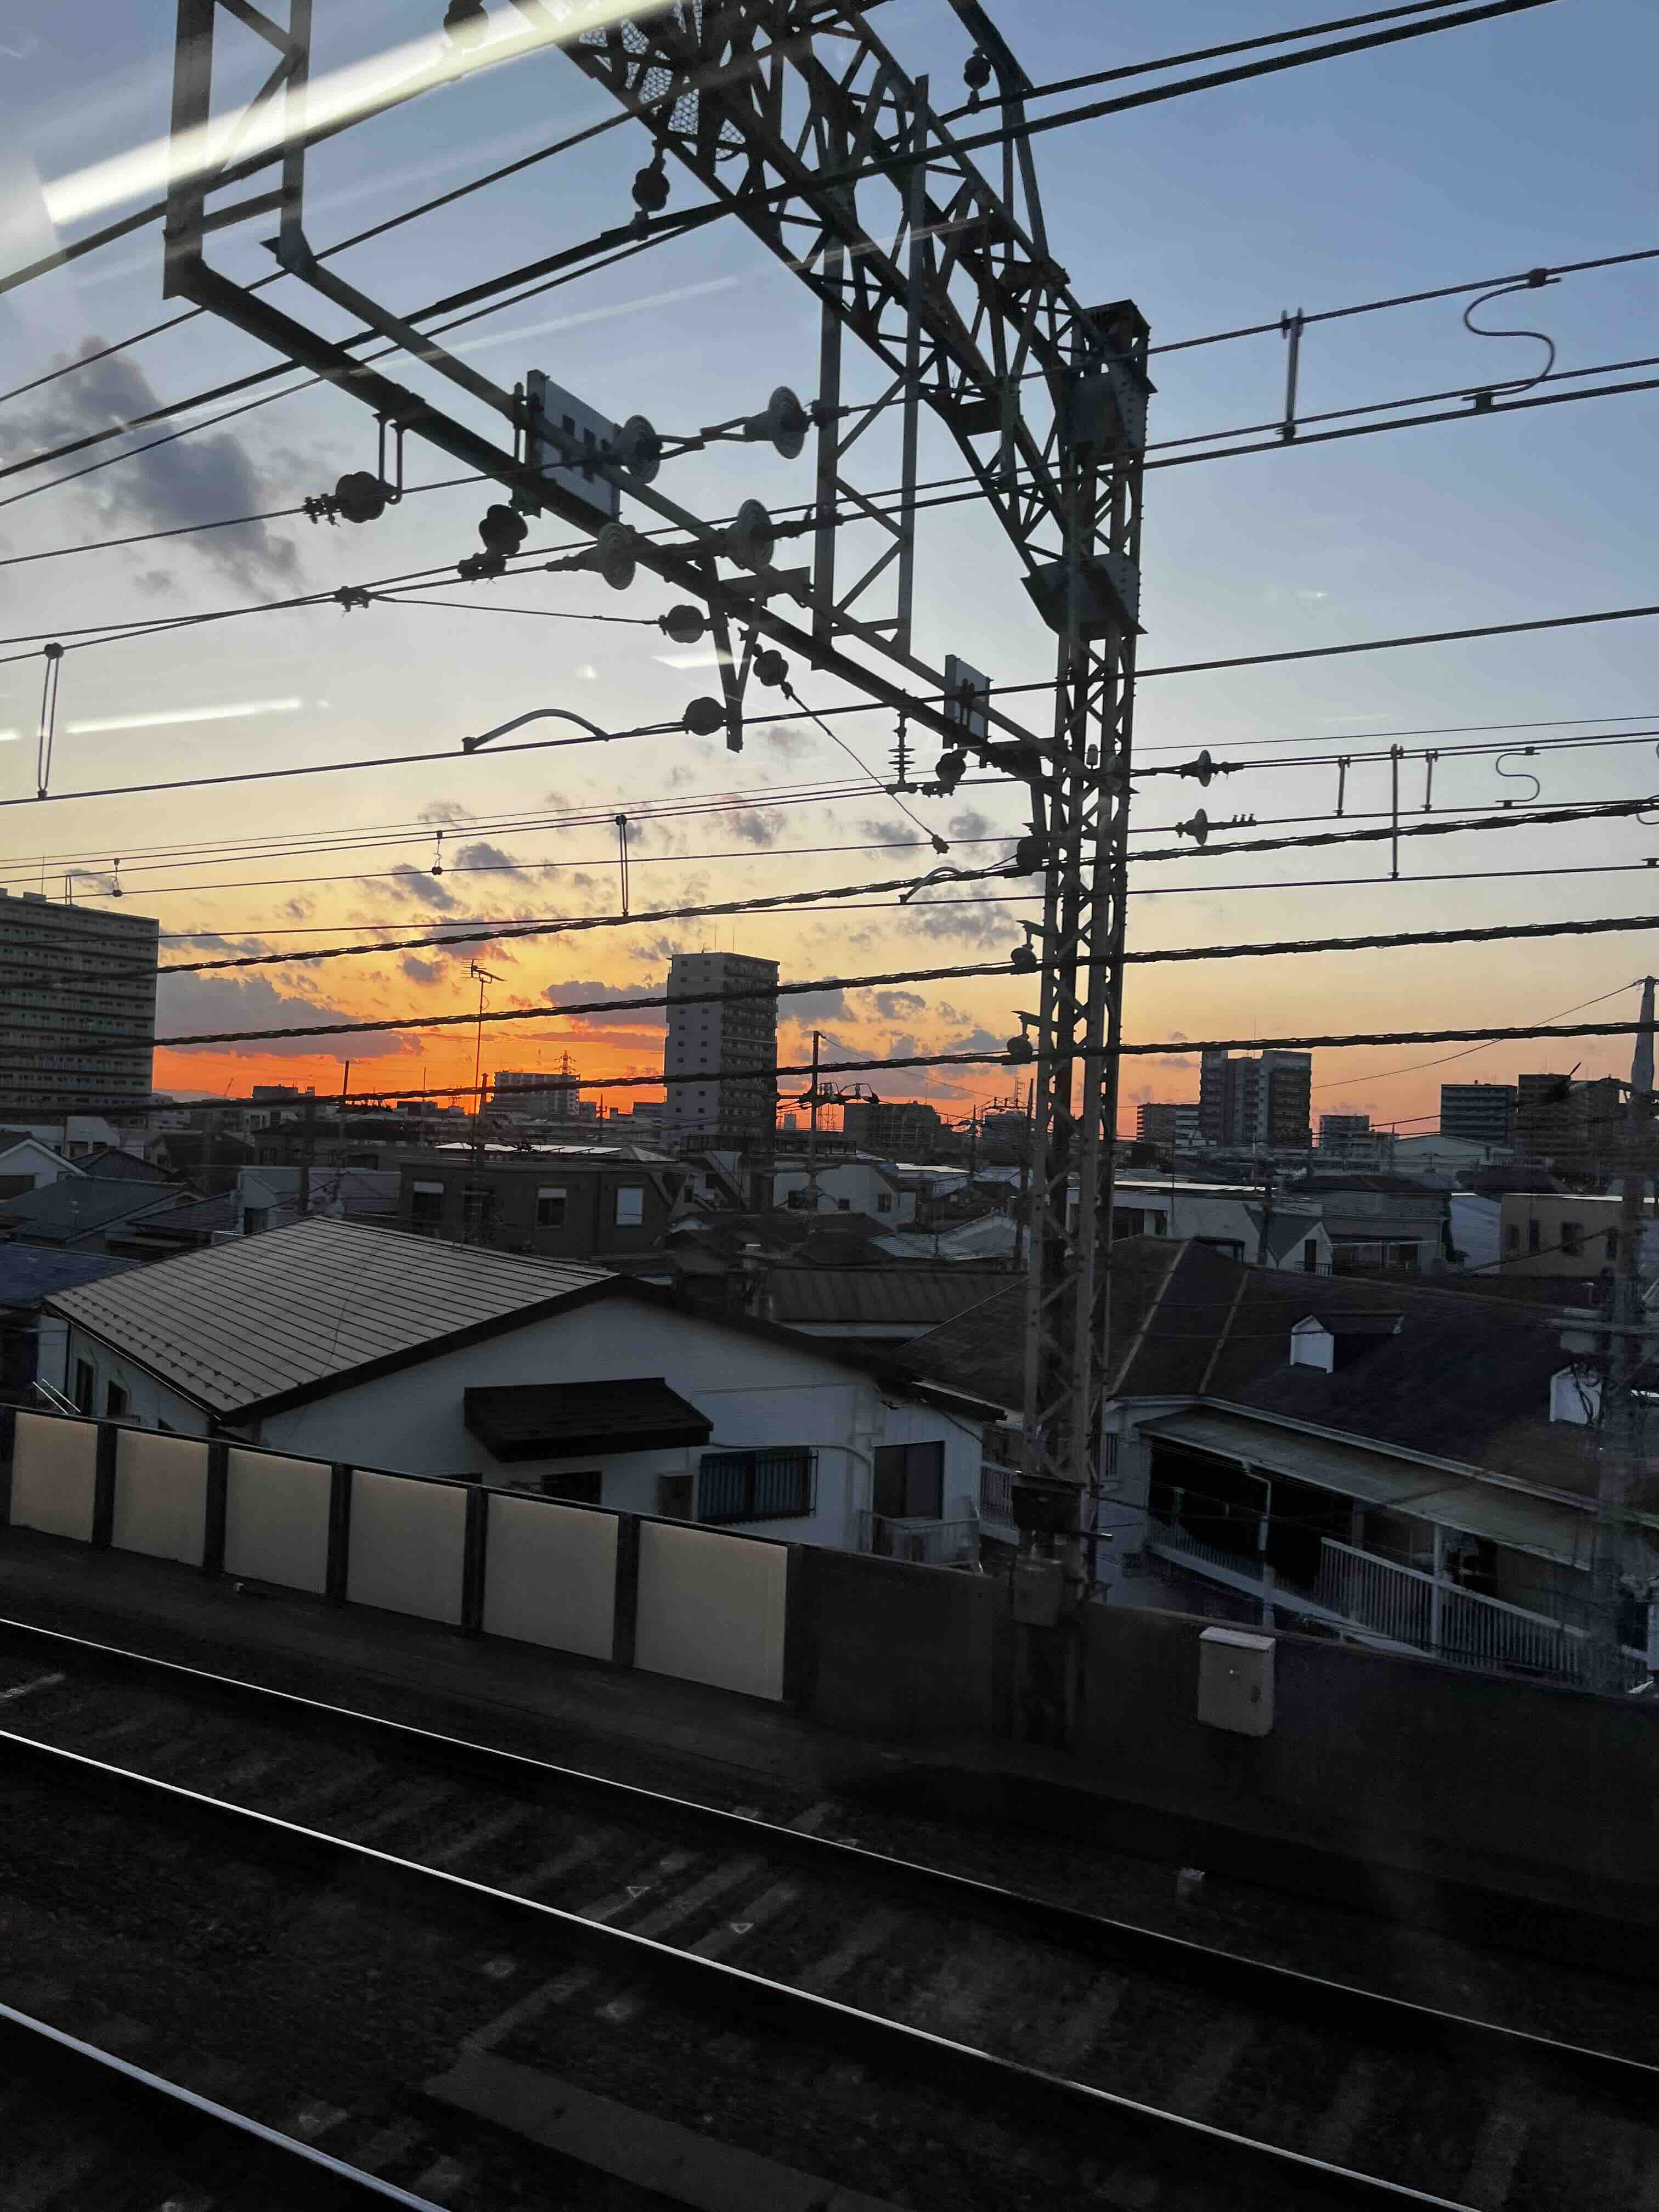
x,y
728,1044
77,1008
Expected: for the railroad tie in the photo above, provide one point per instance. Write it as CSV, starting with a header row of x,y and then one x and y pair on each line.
x,y
1221,2050
1332,2135
1497,2149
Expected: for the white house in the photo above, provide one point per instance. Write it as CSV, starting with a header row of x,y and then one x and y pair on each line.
x,y
366,1345
858,1185
28,1164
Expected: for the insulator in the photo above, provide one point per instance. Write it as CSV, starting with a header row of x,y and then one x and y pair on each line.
x,y
704,716
949,770
770,667
1031,854
614,556
1020,1048
501,530
976,71
466,21
783,422
360,496
651,186
638,448
751,537
684,623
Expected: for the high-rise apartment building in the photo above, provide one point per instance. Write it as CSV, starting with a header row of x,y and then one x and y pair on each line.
x,y
1174,1125
726,1045
899,1128
1343,1133
540,1094
1573,1127
77,1008
1484,1112
1264,1102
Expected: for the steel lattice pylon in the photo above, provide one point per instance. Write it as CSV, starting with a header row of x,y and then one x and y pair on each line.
x,y
799,123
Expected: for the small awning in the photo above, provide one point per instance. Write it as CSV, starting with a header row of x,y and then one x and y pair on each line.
x,y
1537,1525
556,1420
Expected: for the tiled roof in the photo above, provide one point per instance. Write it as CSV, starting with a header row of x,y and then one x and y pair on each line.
x,y
920,1296
75,1206
238,1325
551,1420
30,1272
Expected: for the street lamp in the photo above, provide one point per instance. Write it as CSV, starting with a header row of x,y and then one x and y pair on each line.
x,y
540,714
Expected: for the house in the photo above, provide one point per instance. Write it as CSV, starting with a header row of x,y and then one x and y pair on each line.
x,y
341,1341
1376,1221
1559,1233
859,1185
29,1275
872,1305
1396,1464
27,1163
556,1201
266,1197
83,1214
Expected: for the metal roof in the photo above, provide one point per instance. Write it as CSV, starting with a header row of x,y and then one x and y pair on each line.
x,y
30,1272
272,1316
551,1420
1477,1508
924,1296
76,1205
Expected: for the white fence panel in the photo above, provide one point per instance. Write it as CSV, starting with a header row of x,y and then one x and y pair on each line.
x,y
408,1541
711,1608
161,1496
54,1471
551,1575
276,1519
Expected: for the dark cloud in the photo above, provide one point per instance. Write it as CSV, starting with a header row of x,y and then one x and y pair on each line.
x,y
483,855
200,478
817,1006
970,823
790,744
753,825
299,908
964,922
187,1006
157,583
420,971
441,812
977,1040
407,882
900,1006
584,994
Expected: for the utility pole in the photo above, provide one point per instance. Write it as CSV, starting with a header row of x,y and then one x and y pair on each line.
x,y
1266,1217
484,977
1622,1440
307,1153
813,1132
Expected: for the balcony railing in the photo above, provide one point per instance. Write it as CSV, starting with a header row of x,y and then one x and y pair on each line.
x,y
996,1491
922,1543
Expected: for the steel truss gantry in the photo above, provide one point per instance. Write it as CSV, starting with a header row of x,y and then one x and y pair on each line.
x,y
798,122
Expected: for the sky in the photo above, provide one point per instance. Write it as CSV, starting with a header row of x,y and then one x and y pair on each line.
x,y
1478,153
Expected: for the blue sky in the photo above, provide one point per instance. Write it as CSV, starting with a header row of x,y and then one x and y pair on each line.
x,y
1522,141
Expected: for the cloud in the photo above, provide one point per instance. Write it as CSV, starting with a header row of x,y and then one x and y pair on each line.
x,y
751,826
900,1006
157,583
441,812
808,1006
970,823
977,1040
193,480
189,1004
407,882
964,921
481,855
789,744
420,971
299,908
582,994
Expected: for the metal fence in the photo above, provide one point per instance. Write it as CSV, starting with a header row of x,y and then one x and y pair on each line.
x,y
921,1543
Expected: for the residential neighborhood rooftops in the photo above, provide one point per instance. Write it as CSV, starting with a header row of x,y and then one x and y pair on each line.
x,y
77,1206
239,1324
30,1272
800,1297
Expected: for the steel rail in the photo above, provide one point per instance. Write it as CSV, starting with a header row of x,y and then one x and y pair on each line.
x,y
1285,1992
965,2074
210,2142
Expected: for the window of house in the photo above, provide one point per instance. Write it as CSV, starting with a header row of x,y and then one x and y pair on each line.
x,y
1512,1236
1572,1238
115,1403
844,1206
550,1200
426,1205
909,1481
1534,1240
885,1203
1310,1256
478,1212
254,1219
771,1485
1612,1244
630,1205
84,1385
576,1488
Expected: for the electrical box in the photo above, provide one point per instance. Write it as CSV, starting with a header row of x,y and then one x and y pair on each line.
x,y
1235,1681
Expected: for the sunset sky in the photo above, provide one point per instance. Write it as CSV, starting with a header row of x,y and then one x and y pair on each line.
x,y
1477,153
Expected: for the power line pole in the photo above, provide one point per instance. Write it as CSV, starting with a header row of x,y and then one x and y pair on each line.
x,y
307,1153
1621,1440
484,977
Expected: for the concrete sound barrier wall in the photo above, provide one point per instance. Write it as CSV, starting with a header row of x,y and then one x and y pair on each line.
x,y
54,1475
551,1574
276,1519
711,1608
408,1545
161,1496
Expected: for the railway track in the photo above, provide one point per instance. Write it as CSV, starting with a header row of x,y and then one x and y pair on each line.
x,y
1157,2071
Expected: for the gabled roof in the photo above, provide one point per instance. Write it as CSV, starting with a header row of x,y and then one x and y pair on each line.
x,y
114,1165
78,1206
30,1272
241,1326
